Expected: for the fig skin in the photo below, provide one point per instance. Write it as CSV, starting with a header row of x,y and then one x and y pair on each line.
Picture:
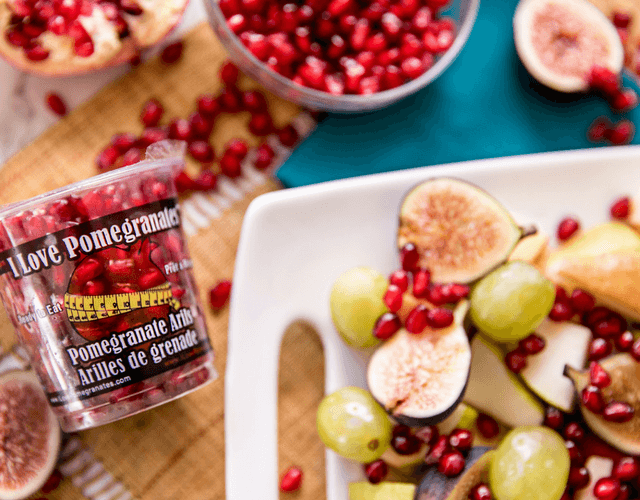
x,y
436,486
441,245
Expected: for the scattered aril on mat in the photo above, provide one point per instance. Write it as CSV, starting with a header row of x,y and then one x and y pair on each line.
x,y
291,480
621,208
56,104
219,294
172,52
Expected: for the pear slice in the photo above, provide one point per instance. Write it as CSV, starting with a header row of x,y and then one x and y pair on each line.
x,y
566,344
495,390
385,490
625,387
598,468
604,261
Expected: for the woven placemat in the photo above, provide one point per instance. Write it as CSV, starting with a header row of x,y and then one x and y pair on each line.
x,y
175,451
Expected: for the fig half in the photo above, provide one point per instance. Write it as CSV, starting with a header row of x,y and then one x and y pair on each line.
x,y
29,435
421,378
624,387
559,42
460,231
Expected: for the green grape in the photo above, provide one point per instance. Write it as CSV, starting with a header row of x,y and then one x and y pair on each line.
x,y
510,302
353,424
531,463
356,303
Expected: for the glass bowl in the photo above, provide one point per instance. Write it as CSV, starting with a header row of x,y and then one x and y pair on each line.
x,y
463,12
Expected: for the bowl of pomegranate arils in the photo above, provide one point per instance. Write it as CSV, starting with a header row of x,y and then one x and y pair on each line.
x,y
69,37
343,55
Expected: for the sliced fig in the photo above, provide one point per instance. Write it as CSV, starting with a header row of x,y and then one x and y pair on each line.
x,y
624,387
421,378
30,435
560,42
460,231
436,486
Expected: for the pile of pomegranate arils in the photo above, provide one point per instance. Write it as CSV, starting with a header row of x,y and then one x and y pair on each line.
x,y
343,46
127,148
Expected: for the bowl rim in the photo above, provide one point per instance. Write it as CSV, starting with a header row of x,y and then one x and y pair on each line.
x,y
345,102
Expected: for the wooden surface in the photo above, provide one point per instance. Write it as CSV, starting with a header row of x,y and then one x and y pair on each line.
x,y
176,451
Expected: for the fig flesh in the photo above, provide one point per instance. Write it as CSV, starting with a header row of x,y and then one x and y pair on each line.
x,y
30,435
624,387
460,231
436,486
559,42
421,378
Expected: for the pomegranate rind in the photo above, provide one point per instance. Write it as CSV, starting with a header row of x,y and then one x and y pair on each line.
x,y
158,19
461,232
594,19
625,386
33,483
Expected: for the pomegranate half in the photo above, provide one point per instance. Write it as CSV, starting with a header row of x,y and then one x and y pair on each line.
x,y
29,435
559,42
67,37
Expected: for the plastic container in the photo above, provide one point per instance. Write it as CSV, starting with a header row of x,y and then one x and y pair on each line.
x,y
463,12
96,280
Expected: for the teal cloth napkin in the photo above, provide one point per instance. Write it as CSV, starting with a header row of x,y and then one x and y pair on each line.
x,y
484,105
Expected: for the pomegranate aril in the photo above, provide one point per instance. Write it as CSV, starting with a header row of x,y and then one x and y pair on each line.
x,y
123,142
624,100
400,279
421,20
578,477
261,124
151,113
454,292
439,317
264,157
451,464
596,315
412,67
575,454
604,80
52,482
208,105
288,136
56,104
409,257
618,411
386,326
16,38
134,155
608,328
291,480
428,434
416,321
582,301
421,281
201,151
480,492
376,471
36,53
626,469
150,135
487,426
624,492
405,444
206,181
516,360
621,208
352,77
624,341
635,350
107,158
461,440
230,100
599,348
391,25
393,298
180,129
237,23
184,182
606,488
254,101
230,166
597,131
553,418
621,133
219,294
172,52
437,450
621,19
574,432
567,228
598,376
359,35
532,344
561,311
367,59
